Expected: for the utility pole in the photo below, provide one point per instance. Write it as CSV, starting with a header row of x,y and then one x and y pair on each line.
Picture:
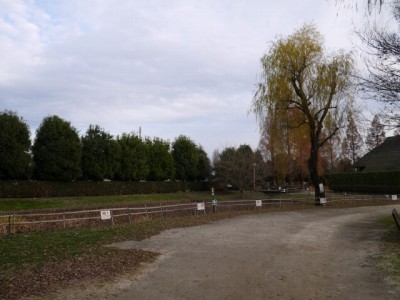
x,y
254,176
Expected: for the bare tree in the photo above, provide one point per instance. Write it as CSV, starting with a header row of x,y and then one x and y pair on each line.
x,y
235,166
383,80
354,140
376,134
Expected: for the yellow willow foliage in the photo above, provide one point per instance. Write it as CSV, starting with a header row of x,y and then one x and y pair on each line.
x,y
303,91
298,76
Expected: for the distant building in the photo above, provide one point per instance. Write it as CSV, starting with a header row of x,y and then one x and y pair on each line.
x,y
385,157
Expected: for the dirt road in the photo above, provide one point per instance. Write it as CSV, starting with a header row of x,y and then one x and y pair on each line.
x,y
311,254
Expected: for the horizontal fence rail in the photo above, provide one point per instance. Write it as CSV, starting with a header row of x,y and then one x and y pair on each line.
x,y
19,222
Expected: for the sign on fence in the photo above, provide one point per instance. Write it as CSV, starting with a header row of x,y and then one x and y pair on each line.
x,y
201,206
258,203
394,197
322,200
214,202
105,214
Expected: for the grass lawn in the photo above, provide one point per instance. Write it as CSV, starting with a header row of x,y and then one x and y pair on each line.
x,y
11,204
390,260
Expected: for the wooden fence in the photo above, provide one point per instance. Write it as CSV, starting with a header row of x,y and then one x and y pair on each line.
x,y
19,222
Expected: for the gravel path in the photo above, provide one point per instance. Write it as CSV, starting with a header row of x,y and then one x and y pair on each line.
x,y
310,254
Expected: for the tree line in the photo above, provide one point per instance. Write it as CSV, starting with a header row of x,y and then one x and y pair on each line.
x,y
59,153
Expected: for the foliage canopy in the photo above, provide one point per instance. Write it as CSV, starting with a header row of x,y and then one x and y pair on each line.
x,y
303,86
101,154
15,158
56,150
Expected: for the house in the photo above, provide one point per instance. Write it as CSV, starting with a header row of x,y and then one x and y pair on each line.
x,y
385,157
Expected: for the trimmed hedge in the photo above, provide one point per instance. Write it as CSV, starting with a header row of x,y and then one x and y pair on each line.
x,y
40,189
387,182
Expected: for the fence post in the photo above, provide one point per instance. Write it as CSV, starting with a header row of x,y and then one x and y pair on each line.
x,y
112,218
162,212
147,214
130,216
64,219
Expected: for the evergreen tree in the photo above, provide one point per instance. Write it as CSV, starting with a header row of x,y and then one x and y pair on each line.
x,y
186,158
161,162
57,150
101,154
15,159
203,165
376,134
134,159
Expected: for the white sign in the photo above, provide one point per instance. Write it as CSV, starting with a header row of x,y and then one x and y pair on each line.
x,y
258,203
321,187
105,214
322,200
394,197
201,206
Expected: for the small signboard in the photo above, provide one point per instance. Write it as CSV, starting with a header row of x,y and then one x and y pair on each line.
x,y
322,200
394,197
201,206
214,202
258,203
321,188
105,214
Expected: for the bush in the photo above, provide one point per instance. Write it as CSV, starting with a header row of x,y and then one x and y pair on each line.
x,y
40,189
375,182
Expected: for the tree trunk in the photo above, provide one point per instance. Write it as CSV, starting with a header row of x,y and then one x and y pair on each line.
x,y
313,167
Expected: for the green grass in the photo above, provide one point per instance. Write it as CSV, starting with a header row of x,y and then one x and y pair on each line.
x,y
389,261
11,204
387,221
39,247
38,262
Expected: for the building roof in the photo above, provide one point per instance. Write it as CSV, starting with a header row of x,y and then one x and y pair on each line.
x,y
385,157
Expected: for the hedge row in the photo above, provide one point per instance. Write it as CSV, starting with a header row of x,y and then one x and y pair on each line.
x,y
39,189
375,182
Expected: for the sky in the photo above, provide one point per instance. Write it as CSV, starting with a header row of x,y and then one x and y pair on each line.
x,y
176,67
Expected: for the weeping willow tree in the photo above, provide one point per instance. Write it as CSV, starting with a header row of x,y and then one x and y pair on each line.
x,y
299,77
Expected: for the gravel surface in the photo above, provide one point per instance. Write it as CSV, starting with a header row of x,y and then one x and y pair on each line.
x,y
310,254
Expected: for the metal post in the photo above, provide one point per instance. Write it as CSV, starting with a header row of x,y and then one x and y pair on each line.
x,y
254,176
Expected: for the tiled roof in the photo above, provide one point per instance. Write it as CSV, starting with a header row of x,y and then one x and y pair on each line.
x,y
385,157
